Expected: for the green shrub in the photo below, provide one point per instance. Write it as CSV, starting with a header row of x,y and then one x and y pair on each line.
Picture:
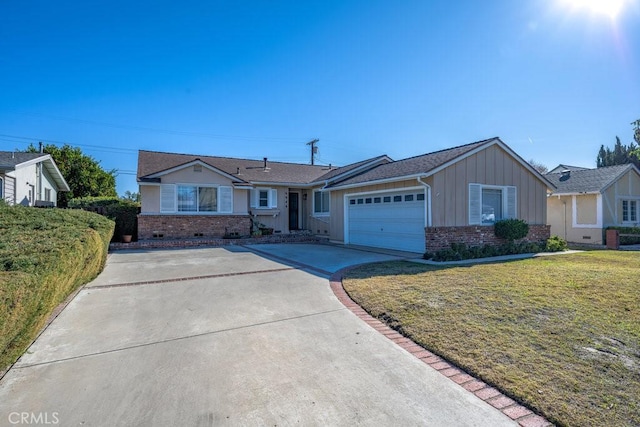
x,y
511,229
460,251
45,254
555,244
628,240
123,212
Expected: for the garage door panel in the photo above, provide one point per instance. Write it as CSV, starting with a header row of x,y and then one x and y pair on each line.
x,y
395,225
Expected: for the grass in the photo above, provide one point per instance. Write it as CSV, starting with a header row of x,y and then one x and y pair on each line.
x,y
560,334
45,254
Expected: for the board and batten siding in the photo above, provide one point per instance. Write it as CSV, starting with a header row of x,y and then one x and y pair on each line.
x,y
492,166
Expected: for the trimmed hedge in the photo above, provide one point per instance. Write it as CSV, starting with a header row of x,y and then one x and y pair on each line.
x,y
511,229
460,251
624,240
123,212
45,254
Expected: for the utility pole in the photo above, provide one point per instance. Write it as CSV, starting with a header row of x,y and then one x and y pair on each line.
x,y
314,150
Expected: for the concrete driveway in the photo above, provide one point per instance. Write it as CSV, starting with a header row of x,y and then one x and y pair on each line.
x,y
227,336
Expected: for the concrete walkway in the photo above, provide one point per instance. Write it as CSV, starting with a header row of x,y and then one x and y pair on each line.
x,y
227,336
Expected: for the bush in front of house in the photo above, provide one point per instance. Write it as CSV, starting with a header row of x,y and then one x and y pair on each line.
x,y
45,254
123,212
628,240
460,251
511,229
556,244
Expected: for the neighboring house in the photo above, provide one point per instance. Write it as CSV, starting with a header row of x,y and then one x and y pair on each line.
x,y
587,201
30,179
416,204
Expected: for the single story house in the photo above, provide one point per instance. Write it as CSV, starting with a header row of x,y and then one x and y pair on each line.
x,y
421,203
30,179
587,201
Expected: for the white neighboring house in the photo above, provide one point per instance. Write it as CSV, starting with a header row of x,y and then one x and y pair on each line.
x,y
30,179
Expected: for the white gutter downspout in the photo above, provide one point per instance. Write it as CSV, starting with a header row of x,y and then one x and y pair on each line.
x,y
428,207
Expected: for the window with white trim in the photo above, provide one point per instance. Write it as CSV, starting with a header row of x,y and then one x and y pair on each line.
x,y
47,195
264,198
490,203
629,211
184,198
321,202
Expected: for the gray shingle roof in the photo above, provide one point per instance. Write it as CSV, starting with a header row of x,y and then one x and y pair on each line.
x,y
413,165
587,180
153,162
9,159
562,167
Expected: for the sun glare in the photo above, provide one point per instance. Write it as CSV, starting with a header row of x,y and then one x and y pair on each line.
x,y
610,8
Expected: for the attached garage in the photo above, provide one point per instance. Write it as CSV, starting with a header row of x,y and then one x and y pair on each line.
x,y
391,220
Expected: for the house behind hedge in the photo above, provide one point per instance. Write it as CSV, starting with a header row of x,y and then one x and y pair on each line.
x,y
416,204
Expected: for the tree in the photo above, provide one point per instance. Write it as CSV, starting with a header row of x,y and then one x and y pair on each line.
x,y
83,173
539,166
131,196
620,155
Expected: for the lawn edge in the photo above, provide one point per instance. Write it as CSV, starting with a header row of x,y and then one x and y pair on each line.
x,y
523,415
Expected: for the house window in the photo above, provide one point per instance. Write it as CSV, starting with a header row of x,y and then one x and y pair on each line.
x,y
420,196
197,199
629,211
408,198
488,204
264,198
377,200
387,199
367,200
321,202
397,198
491,205
1,189
47,194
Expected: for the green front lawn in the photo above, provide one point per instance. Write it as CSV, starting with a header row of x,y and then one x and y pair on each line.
x,y
560,334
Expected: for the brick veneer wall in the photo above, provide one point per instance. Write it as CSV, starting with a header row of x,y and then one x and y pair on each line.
x,y
438,238
190,226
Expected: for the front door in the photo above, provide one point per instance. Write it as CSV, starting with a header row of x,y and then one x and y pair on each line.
x,y
293,211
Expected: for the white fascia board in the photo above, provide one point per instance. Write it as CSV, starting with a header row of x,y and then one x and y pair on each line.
x,y
195,162
379,181
57,175
575,193
34,161
280,184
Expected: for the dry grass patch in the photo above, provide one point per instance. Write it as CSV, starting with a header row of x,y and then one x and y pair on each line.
x,y
560,334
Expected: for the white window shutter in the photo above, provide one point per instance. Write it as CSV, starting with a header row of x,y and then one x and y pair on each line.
x,y
225,199
167,198
475,204
511,204
273,198
253,198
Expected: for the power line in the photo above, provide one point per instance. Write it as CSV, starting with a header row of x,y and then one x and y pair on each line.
x,y
25,139
165,131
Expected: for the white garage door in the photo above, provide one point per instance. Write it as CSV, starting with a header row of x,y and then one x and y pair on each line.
x,y
388,220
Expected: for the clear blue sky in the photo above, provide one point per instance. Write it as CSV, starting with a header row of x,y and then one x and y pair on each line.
x,y
259,79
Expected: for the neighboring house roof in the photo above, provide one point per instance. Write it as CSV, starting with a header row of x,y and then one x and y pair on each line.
x,y
588,180
428,164
353,168
562,167
10,161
